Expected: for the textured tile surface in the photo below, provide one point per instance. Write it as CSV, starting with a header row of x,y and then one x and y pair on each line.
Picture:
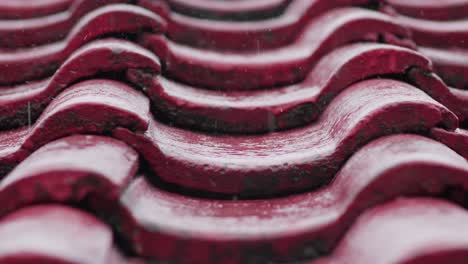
x,y
203,131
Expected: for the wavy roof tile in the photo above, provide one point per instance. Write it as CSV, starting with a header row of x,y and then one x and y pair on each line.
x,y
203,131
440,28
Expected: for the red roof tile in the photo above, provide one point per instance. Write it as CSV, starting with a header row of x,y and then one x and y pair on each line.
x,y
233,132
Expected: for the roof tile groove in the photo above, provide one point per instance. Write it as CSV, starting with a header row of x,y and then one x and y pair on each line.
x,y
238,10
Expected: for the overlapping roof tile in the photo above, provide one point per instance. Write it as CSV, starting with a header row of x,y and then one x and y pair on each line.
x,y
440,28
27,64
266,131
12,9
72,237
406,231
